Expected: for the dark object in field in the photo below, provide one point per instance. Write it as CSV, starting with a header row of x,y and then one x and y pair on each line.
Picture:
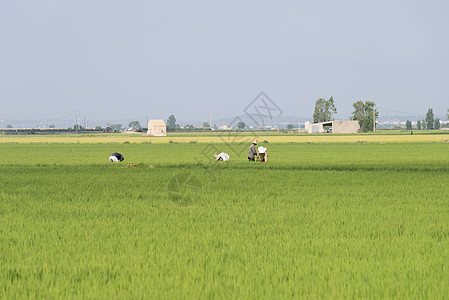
x,y
116,157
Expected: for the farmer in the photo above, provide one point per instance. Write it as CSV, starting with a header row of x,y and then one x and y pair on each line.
x,y
263,154
222,157
252,151
116,157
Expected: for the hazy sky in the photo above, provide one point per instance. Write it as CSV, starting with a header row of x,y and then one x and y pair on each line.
x,y
187,58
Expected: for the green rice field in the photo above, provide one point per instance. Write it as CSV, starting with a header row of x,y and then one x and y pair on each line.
x,y
318,220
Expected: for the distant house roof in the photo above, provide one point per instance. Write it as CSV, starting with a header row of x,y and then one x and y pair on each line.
x,y
157,123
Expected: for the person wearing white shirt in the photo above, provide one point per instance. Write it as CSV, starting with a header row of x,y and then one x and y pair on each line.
x,y
116,157
262,154
222,157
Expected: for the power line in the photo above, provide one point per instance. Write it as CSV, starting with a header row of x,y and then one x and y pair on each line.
x,y
399,112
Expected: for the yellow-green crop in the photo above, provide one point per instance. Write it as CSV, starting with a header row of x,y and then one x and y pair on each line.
x,y
224,137
317,221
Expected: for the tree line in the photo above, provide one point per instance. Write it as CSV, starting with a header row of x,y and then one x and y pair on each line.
x,y
429,123
171,124
364,112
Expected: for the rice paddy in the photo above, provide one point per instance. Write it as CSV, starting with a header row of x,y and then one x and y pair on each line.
x,y
326,217
230,137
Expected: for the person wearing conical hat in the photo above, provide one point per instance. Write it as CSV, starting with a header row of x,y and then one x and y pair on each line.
x,y
263,154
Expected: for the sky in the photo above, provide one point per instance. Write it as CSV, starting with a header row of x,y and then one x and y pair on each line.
x,y
138,59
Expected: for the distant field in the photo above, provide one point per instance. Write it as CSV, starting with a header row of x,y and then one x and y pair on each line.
x,y
330,220
437,136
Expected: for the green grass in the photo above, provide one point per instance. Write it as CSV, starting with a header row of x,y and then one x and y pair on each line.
x,y
316,221
379,131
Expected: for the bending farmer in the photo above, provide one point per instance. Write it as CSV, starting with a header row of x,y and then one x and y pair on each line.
x,y
221,157
263,154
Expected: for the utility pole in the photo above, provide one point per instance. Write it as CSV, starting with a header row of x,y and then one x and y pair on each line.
x,y
210,120
374,119
76,126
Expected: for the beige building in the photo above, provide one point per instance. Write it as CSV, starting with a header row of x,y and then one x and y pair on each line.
x,y
337,127
156,128
224,127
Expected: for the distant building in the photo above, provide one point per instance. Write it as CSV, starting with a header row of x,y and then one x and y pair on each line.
x,y
224,127
132,130
157,128
337,127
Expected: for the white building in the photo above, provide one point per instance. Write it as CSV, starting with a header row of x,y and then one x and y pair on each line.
x,y
157,128
337,127
224,127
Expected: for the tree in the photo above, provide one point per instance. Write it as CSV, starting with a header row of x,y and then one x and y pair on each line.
x,y
78,127
206,125
171,122
289,126
419,125
116,127
51,126
364,113
408,125
324,110
424,124
437,123
134,124
9,126
359,111
241,125
430,121
447,114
